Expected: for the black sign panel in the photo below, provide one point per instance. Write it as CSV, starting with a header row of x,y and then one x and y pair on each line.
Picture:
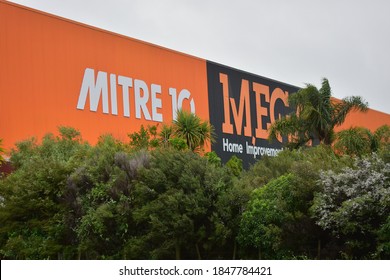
x,y
242,106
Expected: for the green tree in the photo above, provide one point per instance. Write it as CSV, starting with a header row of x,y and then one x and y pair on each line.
x,y
315,116
234,165
230,205
149,138
262,221
382,134
190,127
213,158
33,213
355,141
187,131
354,206
359,141
176,199
145,138
100,199
277,220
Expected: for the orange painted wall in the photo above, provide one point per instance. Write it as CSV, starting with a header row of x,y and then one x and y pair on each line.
x,y
371,119
42,63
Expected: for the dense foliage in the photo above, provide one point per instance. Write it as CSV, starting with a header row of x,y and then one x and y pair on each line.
x,y
1,151
315,117
354,206
359,141
155,198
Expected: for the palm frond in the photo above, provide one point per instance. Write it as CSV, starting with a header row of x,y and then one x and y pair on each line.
x,y
190,127
343,108
355,141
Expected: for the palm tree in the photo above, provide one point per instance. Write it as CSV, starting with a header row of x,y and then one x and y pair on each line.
x,y
315,117
192,129
382,135
358,141
355,141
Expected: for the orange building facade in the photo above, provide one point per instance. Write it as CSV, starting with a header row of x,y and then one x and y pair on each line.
x,y
56,72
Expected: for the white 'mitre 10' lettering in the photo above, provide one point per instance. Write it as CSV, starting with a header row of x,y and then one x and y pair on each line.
x,y
142,95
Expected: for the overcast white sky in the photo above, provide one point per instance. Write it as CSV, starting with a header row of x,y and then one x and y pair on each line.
x,y
295,42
